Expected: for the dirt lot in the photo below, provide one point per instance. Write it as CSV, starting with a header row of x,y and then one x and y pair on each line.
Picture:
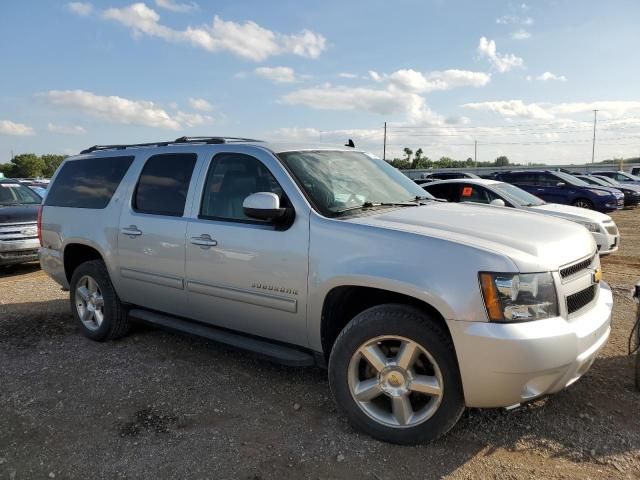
x,y
160,405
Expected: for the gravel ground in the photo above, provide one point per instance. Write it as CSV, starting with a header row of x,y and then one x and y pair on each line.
x,y
160,405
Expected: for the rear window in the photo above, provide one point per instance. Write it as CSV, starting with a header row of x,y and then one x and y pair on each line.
x,y
87,183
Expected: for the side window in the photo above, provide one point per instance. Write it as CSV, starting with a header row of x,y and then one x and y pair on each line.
x,y
232,177
164,183
445,191
473,193
547,180
88,183
621,178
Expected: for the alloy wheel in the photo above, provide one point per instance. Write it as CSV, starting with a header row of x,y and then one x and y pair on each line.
x,y
89,302
395,381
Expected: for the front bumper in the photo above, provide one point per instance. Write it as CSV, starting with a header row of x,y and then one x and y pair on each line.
x,y
19,251
607,243
506,364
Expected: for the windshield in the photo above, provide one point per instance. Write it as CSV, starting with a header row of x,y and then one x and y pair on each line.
x,y
339,180
571,180
517,195
607,181
596,181
16,194
629,176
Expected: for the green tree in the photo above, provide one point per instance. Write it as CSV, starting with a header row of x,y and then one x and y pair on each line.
x,y
401,163
6,169
422,162
51,164
408,152
502,161
27,165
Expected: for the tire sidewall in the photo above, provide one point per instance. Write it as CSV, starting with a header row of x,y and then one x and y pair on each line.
x,y
415,325
96,270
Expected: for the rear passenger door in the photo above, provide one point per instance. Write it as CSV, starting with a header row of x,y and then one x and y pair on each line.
x,y
151,237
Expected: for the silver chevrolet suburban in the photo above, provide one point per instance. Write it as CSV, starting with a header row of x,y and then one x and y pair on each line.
x,y
330,257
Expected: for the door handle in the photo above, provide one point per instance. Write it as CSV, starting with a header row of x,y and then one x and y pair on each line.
x,y
131,231
204,241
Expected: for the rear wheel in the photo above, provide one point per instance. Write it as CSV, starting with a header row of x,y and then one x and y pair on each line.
x,y
94,303
394,374
583,203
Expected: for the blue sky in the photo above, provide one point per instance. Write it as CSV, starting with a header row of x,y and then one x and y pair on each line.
x,y
519,78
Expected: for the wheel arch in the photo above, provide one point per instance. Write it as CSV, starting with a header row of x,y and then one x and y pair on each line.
x,y
77,252
344,302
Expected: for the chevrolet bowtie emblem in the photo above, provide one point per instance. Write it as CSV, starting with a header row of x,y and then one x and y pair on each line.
x,y
597,275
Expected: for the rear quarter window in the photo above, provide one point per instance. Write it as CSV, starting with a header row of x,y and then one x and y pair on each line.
x,y
88,183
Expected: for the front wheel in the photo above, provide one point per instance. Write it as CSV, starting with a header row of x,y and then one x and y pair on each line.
x,y
394,374
583,203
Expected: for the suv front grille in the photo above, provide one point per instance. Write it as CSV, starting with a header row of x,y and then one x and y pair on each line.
x,y
18,231
576,267
581,299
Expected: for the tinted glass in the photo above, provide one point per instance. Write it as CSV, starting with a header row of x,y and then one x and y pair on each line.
x,y
339,180
233,177
475,194
16,194
446,191
164,183
87,183
569,179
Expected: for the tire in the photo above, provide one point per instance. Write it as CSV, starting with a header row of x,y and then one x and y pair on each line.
x,y
90,282
352,374
583,203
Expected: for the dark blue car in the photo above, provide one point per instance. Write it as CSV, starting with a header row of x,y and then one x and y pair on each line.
x,y
559,187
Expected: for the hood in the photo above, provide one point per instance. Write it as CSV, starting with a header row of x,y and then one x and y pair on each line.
x,y
612,190
18,213
628,186
568,212
533,242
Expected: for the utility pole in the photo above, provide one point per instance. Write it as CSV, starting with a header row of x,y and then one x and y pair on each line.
x,y
593,149
475,153
384,145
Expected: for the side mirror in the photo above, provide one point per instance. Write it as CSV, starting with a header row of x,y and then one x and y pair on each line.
x,y
498,202
561,184
263,206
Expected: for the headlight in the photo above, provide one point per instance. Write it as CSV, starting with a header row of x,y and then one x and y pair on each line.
x,y
601,193
520,297
592,227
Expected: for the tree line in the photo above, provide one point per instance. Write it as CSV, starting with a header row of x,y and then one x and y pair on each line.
x,y
418,159
30,165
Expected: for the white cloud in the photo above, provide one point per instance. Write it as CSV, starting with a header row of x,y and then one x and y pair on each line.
x,y
80,8
512,108
521,34
375,76
347,75
177,6
193,119
200,104
7,127
277,74
247,40
502,62
113,108
514,20
550,111
546,76
66,129
411,80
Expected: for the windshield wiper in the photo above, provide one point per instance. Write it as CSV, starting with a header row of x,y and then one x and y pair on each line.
x,y
367,205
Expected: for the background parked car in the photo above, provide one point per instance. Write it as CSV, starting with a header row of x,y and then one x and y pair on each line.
x,y
621,177
430,177
631,192
18,228
559,187
604,230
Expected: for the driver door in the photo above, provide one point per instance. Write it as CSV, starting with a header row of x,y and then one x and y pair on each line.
x,y
241,273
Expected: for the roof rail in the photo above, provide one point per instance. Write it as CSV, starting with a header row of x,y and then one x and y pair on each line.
x,y
181,140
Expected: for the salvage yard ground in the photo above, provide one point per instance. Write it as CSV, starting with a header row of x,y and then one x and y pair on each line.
x,y
158,405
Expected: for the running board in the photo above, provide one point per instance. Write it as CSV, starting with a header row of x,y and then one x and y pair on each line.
x,y
275,352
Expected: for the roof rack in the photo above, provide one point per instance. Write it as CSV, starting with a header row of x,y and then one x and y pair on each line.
x,y
181,140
